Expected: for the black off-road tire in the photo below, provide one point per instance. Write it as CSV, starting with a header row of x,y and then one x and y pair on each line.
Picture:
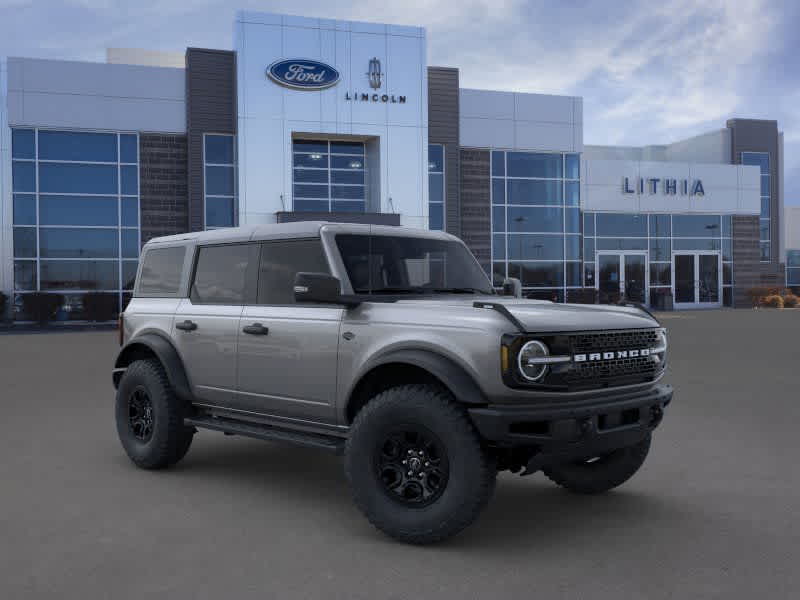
x,y
169,439
603,473
471,472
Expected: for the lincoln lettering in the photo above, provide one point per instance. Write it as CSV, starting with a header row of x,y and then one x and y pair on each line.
x,y
667,186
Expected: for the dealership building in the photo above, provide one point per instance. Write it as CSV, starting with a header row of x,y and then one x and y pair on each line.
x,y
339,120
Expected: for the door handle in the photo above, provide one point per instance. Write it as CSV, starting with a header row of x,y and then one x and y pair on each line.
x,y
256,329
187,325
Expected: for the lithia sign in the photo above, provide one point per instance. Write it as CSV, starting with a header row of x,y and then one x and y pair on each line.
x,y
667,186
306,74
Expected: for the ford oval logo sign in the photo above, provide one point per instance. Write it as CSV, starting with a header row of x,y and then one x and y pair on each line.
x,y
303,74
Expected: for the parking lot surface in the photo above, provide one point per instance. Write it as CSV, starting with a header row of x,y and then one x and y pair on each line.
x,y
714,513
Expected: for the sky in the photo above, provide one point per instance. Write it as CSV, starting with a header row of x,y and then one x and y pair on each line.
x,y
650,72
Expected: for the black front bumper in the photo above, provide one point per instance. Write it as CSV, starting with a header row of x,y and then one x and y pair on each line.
x,y
574,429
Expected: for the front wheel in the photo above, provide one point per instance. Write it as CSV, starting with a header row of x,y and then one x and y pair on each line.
x,y
416,466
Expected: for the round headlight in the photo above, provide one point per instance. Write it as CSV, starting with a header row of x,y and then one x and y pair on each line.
x,y
529,367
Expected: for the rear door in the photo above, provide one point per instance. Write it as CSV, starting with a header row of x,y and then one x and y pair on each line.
x,y
288,351
206,324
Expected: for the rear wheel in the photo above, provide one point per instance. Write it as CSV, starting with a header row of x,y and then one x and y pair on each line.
x,y
150,417
416,466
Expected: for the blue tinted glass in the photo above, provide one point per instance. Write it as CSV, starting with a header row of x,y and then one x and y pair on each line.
x,y
345,162
24,242
355,176
347,192
621,225
219,181
572,220
573,166
727,225
129,273
314,161
588,271
23,176
77,210
765,185
78,243
130,212
766,251
25,275
572,190
727,249
219,149
764,229
537,220
436,187
543,274
312,175
219,212
348,206
765,208
526,191
23,144
588,224
573,274
128,149
793,258
130,243
435,158
759,159
77,179
660,249
499,246
793,277
311,205
73,145
80,275
588,249
498,191
129,180
660,274
24,209
535,247
309,146
695,244
310,191
660,226
498,218
621,244
347,148
530,164
498,163
696,225
572,245
436,216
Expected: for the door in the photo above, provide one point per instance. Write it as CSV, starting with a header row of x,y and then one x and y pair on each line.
x,y
697,279
622,275
287,354
206,325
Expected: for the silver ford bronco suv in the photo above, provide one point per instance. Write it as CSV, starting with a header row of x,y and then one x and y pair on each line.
x,y
388,345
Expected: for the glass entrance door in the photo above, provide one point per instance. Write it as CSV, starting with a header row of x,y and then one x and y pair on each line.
x,y
622,275
697,279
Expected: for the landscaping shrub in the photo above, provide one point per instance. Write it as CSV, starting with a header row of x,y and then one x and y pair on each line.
x,y
758,295
773,301
790,301
41,306
99,306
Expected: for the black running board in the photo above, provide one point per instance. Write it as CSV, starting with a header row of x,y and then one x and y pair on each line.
x,y
266,432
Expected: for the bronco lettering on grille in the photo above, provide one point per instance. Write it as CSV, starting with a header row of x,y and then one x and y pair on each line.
x,y
595,356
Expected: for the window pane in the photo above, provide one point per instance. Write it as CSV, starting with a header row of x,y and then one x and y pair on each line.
x,y
573,166
220,274
498,273
572,244
535,247
347,148
695,244
25,275
498,163
572,189
529,164
78,243
24,242
765,251
727,226
23,144
765,185
130,212
357,177
128,149
346,162
588,249
573,274
696,225
77,179
23,176
311,175
219,212
765,208
521,191
621,243
347,192
130,243
793,258
498,191
161,270
588,274
538,220
129,273
538,274
759,159
280,262
310,191
727,273
623,225
435,158
219,149
763,229
436,187
79,275
348,206
588,224
129,180
498,218
311,205
310,146
499,247
77,210
727,249
317,161
74,145
793,277
661,274
660,249
660,226
436,216
219,181
24,209
572,220
727,296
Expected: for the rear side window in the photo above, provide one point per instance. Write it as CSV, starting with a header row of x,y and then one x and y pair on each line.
x,y
161,271
220,274
281,261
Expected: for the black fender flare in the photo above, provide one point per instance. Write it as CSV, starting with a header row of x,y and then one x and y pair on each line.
x,y
165,352
453,376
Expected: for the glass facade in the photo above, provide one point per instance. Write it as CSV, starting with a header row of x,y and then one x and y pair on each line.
x,y
436,186
219,168
328,176
761,160
75,214
793,268
536,221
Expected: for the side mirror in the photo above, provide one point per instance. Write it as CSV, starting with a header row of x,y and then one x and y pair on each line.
x,y
512,287
317,287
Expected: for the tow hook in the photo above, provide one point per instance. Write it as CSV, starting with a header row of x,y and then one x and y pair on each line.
x,y
656,414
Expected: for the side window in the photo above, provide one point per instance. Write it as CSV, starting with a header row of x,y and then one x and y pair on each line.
x,y
219,277
161,271
281,261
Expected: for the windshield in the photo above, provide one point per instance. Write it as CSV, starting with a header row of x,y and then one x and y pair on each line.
x,y
406,265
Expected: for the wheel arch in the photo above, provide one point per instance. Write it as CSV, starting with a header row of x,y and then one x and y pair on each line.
x,y
153,345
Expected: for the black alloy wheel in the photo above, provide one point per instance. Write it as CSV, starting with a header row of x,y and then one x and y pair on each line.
x,y
140,414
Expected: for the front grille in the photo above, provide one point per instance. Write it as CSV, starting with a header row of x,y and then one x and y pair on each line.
x,y
614,371
613,340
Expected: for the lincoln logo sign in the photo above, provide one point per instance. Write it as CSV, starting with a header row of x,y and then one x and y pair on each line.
x,y
302,74
667,186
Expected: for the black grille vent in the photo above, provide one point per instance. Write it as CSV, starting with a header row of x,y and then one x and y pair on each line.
x,y
635,339
615,371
